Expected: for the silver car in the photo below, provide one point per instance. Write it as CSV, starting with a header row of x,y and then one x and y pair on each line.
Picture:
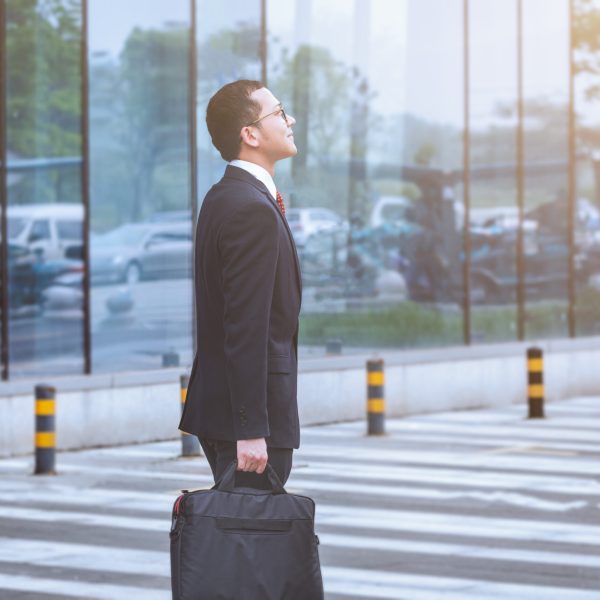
x,y
305,222
137,251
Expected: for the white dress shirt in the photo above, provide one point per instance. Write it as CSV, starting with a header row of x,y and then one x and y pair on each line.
x,y
259,172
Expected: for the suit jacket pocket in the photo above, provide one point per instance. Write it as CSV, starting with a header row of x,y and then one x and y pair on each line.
x,y
279,364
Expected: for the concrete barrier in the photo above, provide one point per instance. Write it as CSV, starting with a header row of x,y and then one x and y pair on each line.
x,y
104,410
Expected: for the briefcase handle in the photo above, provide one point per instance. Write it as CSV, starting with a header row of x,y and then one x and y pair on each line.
x,y
227,481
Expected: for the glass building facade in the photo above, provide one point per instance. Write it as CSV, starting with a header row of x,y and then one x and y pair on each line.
x,y
446,190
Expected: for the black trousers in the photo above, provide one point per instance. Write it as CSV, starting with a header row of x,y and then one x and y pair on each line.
x,y
220,454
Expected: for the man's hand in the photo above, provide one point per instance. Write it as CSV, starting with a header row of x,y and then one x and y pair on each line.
x,y
252,455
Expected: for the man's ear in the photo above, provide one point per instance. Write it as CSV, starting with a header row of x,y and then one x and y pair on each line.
x,y
248,137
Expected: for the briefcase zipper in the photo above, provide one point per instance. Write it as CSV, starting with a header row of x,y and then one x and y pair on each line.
x,y
176,513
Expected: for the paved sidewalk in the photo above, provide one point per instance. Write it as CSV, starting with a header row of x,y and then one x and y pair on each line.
x,y
454,506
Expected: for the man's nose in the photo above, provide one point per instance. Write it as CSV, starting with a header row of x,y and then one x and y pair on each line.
x,y
290,120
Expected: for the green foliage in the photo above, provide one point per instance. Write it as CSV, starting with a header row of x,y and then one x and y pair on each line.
x,y
43,96
413,325
406,325
139,128
586,41
43,77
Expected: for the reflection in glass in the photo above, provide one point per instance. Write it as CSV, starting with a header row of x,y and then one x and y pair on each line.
x,y
141,229
546,239
494,217
375,203
45,213
228,43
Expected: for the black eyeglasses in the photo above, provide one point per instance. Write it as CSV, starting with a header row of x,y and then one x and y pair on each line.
x,y
278,110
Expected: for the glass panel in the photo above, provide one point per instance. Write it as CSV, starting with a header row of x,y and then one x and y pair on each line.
x,y
493,121
586,25
43,45
376,211
140,173
546,119
228,49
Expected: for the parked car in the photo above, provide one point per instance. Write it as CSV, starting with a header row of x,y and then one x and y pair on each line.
x,y
29,274
395,210
305,222
48,228
138,251
170,216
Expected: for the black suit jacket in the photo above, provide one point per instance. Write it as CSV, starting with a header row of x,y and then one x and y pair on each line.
x,y
248,291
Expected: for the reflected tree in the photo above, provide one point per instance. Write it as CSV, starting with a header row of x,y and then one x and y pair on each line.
x,y
154,111
43,41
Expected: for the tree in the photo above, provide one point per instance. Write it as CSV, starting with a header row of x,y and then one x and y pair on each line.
x,y
43,43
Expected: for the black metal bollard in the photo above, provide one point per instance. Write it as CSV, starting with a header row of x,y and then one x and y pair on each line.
x,y
375,398
333,347
190,445
170,359
535,382
45,428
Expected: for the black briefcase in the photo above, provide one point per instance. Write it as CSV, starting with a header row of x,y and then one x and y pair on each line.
x,y
231,543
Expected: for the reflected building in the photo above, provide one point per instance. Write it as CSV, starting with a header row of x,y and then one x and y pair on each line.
x,y
446,190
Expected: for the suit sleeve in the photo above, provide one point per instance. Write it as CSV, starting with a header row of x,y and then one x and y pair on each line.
x,y
249,246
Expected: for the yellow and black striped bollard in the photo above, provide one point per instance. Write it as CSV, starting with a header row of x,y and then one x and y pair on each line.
x,y
375,398
190,445
45,428
535,382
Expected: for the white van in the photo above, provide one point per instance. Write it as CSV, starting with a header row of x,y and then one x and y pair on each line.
x,y
49,228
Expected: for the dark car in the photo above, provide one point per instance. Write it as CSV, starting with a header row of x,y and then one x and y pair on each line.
x,y
30,274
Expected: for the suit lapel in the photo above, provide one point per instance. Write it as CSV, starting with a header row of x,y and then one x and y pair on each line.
x,y
241,174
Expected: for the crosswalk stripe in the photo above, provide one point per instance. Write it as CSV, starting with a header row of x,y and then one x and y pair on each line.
x,y
460,525
474,440
81,518
154,563
79,589
397,427
363,583
387,491
458,477
356,517
562,484
339,580
455,459
85,557
463,550
150,502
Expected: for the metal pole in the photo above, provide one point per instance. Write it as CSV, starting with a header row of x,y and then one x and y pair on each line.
x,y
466,183
85,189
375,398
263,42
520,258
4,279
190,445
535,383
572,298
45,430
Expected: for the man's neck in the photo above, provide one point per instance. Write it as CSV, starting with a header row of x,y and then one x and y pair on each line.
x,y
261,162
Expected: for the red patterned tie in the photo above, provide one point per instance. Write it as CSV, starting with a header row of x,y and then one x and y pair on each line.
x,y
280,203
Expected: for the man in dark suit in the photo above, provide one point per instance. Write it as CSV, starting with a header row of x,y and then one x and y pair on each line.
x,y
241,399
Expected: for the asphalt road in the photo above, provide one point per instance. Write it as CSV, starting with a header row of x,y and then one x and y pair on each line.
x,y
462,506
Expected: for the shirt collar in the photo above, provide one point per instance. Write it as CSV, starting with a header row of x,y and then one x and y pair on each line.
x,y
259,172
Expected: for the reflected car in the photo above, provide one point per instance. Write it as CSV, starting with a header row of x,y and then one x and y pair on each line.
x,y
30,274
137,251
50,228
305,222
170,216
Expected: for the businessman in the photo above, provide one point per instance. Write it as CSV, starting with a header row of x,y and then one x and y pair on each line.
x,y
241,400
